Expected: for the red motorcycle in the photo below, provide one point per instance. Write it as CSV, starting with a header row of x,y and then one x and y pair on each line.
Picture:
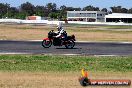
x,y
69,42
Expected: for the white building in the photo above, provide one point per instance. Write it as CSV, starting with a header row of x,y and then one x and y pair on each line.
x,y
87,16
98,16
119,17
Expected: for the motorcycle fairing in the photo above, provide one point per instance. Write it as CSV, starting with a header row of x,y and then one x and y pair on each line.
x,y
46,39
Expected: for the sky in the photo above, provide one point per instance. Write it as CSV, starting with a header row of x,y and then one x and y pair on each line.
x,y
74,3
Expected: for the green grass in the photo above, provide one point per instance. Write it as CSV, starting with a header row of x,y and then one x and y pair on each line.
x,y
119,27
96,26
35,63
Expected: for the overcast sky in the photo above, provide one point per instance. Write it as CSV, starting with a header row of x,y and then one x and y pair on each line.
x,y
74,3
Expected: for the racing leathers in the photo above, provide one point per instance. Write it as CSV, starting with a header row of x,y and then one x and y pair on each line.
x,y
62,34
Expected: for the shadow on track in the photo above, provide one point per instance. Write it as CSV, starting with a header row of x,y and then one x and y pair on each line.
x,y
67,48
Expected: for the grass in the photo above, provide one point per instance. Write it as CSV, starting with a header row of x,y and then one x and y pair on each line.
x,y
38,63
104,26
119,27
40,71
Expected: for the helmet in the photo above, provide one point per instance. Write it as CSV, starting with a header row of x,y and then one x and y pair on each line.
x,y
59,27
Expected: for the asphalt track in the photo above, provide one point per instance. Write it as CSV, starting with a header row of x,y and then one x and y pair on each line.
x,y
81,48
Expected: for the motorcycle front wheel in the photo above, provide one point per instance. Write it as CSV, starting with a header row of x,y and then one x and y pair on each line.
x,y
70,44
46,43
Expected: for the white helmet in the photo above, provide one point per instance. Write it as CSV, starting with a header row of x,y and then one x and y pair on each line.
x,y
59,26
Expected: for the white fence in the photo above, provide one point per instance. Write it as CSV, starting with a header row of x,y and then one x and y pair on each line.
x,y
56,22
23,21
29,21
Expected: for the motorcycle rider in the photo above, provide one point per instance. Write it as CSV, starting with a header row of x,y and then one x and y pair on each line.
x,y
61,32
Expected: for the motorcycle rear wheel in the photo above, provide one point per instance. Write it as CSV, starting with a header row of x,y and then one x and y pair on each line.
x,y
46,43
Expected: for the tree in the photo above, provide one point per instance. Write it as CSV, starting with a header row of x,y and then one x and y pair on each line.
x,y
104,10
4,8
63,8
130,10
21,15
41,11
54,15
27,8
51,7
12,12
91,8
62,11
116,9
119,9
70,9
124,10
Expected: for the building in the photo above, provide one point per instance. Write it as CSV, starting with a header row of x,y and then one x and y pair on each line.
x,y
119,17
87,16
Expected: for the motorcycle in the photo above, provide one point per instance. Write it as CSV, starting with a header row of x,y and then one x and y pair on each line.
x,y
69,42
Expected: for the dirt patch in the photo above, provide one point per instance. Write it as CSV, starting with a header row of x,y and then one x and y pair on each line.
x,y
54,80
22,32
103,36
38,32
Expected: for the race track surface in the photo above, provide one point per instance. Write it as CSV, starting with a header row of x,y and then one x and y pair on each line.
x,y
84,48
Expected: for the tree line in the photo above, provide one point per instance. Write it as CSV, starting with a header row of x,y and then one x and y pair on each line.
x,y
50,10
